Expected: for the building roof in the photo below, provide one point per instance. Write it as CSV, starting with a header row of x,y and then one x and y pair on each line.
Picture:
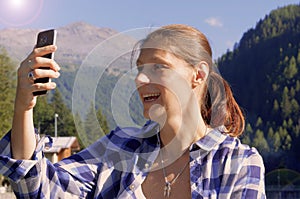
x,y
60,143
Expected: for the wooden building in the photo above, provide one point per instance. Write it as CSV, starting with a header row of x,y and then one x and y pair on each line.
x,y
62,147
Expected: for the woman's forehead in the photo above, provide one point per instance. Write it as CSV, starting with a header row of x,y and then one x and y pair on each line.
x,y
152,55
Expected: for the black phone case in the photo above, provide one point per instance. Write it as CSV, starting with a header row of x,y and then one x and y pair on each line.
x,y
44,38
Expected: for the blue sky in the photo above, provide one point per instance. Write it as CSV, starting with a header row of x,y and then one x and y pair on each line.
x,y
223,22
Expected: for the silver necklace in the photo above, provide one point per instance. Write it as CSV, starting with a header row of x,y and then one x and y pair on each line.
x,y
167,187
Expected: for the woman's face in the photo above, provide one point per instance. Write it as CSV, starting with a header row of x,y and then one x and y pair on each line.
x,y
164,83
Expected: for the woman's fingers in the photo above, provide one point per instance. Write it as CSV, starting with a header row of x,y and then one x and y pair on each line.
x,y
42,86
39,52
34,67
35,61
41,73
41,62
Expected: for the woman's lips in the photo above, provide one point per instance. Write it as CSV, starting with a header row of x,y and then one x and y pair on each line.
x,y
150,97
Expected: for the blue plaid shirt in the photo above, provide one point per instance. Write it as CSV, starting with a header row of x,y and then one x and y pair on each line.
x,y
117,164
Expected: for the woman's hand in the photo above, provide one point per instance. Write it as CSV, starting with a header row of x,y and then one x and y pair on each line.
x,y
23,141
26,86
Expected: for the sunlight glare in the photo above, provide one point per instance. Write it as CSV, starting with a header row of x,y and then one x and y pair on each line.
x,y
19,12
17,3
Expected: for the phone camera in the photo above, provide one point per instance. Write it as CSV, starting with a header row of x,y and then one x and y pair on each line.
x,y
43,40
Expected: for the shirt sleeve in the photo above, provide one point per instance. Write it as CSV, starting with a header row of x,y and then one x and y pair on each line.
x,y
250,180
38,177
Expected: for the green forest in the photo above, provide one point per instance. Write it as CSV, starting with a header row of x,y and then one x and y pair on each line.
x,y
263,70
47,106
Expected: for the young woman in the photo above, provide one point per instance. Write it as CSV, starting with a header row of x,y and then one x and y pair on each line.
x,y
188,148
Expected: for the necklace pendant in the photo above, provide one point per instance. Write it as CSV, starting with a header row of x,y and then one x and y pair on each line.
x,y
167,190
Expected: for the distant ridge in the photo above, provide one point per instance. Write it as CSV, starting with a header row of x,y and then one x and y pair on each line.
x,y
74,42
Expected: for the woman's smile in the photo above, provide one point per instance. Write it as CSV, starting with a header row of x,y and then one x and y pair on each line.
x,y
150,97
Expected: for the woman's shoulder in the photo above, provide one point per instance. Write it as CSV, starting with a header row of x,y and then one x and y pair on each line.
x,y
240,151
235,144
126,139
220,143
122,147
137,134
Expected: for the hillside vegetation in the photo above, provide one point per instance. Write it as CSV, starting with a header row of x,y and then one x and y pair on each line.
x,y
264,72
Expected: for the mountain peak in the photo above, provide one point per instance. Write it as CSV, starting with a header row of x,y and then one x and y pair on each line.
x,y
81,26
74,41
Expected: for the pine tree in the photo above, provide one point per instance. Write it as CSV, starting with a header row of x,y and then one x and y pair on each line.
x,y
246,137
276,141
296,130
275,105
259,122
291,70
297,86
285,138
271,138
43,116
292,92
290,123
295,106
81,136
7,88
65,122
285,103
260,142
91,127
103,122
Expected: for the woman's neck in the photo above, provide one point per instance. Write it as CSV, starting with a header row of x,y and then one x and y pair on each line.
x,y
175,138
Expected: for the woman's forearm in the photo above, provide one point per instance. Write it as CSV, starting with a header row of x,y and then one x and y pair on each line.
x,y
23,141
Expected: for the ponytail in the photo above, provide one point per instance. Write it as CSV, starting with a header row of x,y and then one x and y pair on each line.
x,y
219,106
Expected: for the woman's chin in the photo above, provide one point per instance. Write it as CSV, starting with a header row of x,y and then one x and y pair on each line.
x,y
156,113
146,115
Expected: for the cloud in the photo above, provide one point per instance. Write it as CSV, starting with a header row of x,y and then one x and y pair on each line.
x,y
214,22
229,44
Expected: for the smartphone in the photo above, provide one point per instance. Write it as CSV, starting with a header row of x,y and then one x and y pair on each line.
x,y
45,38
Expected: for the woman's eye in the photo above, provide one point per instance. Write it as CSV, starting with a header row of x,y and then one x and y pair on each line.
x,y
140,68
159,66
153,67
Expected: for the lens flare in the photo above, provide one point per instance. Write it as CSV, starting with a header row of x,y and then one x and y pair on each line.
x,y
19,12
17,3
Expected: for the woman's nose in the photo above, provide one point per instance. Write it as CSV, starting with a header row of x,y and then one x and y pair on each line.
x,y
141,79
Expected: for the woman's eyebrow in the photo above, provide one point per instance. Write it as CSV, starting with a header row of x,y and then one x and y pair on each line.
x,y
159,60
155,59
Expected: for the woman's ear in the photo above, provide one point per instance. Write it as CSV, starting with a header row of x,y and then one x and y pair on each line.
x,y
200,73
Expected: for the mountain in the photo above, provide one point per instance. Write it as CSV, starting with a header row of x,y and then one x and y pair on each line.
x,y
98,53
264,72
74,42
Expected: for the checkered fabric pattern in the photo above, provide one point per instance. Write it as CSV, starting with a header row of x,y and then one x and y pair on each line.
x,y
116,165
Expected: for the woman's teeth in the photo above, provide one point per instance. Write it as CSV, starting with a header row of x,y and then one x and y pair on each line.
x,y
150,97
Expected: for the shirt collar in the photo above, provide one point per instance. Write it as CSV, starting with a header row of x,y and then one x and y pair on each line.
x,y
210,140
213,138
